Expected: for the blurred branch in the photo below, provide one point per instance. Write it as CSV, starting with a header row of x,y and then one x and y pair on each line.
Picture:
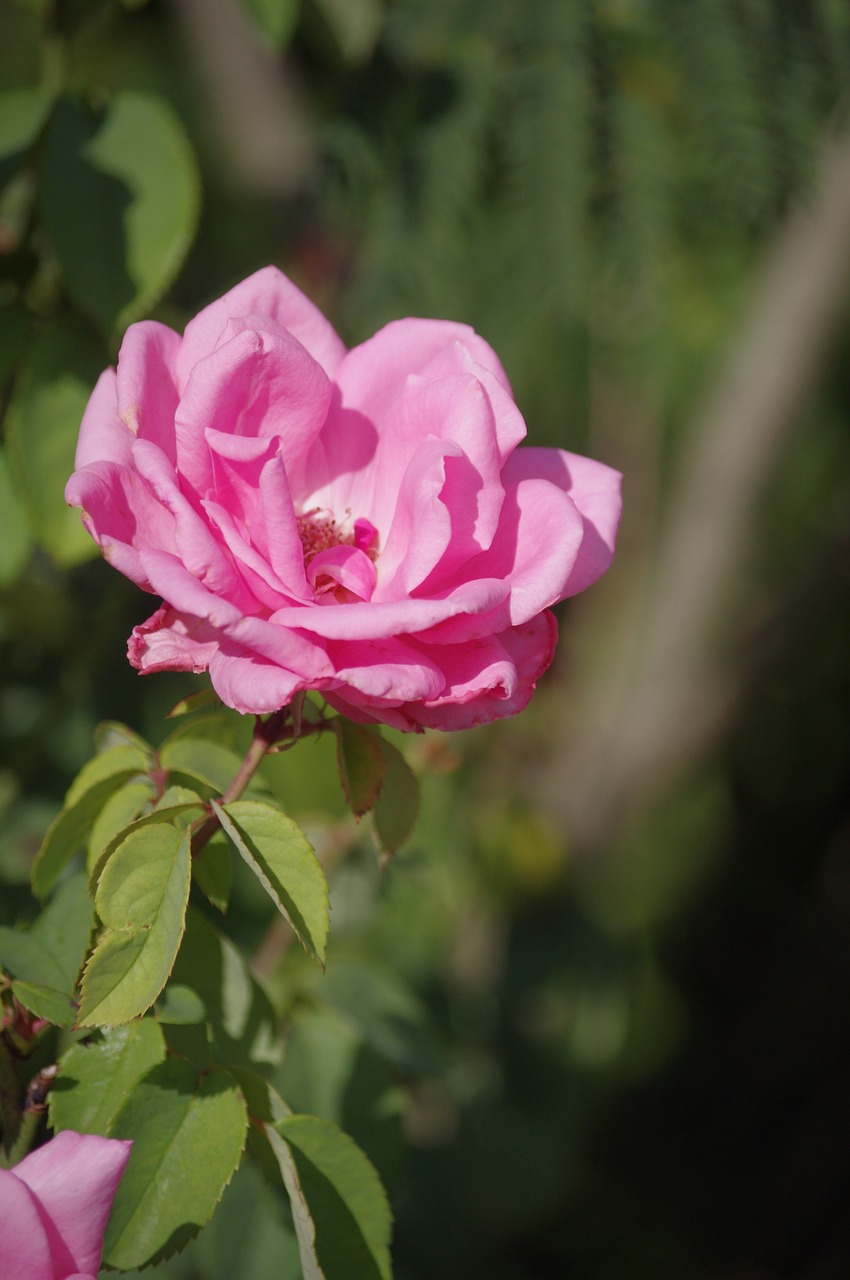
x,y
667,691
257,111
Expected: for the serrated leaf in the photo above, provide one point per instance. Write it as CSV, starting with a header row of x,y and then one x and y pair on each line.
x,y
69,830
282,858
188,1131
42,424
247,1238
22,115
212,871
119,197
361,764
276,19
16,539
179,1006
95,1080
241,1020
141,899
342,1219
54,1006
397,806
173,815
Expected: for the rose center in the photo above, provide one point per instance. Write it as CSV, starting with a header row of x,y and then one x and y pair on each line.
x,y
319,533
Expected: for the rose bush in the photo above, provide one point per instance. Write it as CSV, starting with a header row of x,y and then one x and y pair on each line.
x,y
54,1206
359,522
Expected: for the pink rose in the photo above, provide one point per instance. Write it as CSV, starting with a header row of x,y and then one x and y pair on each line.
x,y
54,1206
356,522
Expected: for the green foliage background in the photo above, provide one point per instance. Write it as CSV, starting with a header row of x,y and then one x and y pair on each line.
x,y
608,1057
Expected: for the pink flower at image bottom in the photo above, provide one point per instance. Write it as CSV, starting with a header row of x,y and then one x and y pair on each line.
x,y
54,1206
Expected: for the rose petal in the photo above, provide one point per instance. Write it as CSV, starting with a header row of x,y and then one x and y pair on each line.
x,y
23,1233
488,681
536,545
345,568
171,641
266,293
75,1177
103,436
256,384
146,383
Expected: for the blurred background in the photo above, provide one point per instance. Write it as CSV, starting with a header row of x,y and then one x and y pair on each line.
x,y
594,1020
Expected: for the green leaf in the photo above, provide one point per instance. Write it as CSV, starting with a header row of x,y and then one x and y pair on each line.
x,y
22,115
276,19
15,536
120,201
361,764
112,733
212,870
88,794
179,1006
141,898
45,1002
173,815
247,1238
123,761
199,760
188,1131
339,1207
194,702
397,806
282,858
95,1080
42,424
47,958
388,1015
241,1020
120,810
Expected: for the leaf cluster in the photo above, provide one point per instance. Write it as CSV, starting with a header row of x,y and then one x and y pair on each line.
x,y
180,1038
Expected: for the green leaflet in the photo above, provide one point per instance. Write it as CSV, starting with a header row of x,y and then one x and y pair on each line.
x,y
199,760
361,764
141,899
119,198
51,952
95,1080
282,858
188,1130
397,806
342,1219
96,782
241,1023
212,871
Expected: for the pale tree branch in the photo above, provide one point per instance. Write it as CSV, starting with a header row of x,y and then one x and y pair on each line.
x,y
666,692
